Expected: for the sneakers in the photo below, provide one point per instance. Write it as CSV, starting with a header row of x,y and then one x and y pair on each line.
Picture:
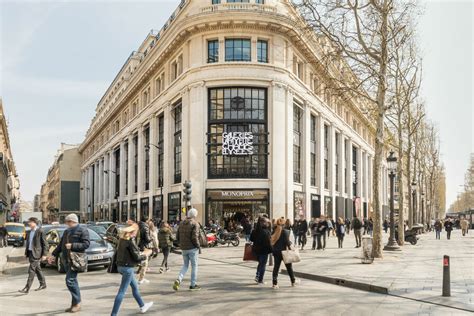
x,y
261,284
195,288
176,285
275,287
256,280
161,271
144,281
146,307
297,282
168,270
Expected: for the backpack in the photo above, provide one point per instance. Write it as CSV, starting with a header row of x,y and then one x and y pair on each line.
x,y
342,229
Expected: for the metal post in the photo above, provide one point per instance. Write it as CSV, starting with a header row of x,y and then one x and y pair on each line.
x,y
446,277
392,244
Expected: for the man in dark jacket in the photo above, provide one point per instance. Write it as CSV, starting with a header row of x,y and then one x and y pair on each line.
x,y
144,243
188,238
3,236
36,250
448,227
357,227
302,231
75,238
262,246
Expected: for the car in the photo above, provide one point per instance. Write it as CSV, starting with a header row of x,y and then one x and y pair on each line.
x,y
113,232
100,230
16,234
99,253
106,225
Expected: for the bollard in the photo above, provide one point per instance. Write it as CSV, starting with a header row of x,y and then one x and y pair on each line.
x,y
446,277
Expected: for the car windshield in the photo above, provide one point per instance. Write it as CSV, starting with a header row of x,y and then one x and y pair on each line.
x,y
98,229
15,229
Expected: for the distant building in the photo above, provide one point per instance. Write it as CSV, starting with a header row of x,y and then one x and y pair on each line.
x,y
9,182
36,203
61,191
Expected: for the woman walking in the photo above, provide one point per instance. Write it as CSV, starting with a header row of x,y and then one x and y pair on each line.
x,y
128,257
280,241
154,238
340,231
165,238
261,246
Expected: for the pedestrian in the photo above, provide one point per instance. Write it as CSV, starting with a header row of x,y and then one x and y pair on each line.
x,y
357,227
154,238
385,225
3,236
128,257
322,229
188,238
288,224
329,226
280,240
144,242
438,228
333,227
448,227
340,231
365,225
247,228
464,226
370,226
314,232
261,247
165,238
75,238
302,231
294,228
348,226
36,250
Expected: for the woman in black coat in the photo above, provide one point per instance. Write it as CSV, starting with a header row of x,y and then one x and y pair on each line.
x,y
280,241
260,238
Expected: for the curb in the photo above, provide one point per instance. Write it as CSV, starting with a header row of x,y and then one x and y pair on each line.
x,y
341,282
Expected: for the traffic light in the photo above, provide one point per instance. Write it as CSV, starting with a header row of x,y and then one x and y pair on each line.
x,y
188,190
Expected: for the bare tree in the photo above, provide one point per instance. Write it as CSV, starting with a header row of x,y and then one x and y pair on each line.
x,y
361,33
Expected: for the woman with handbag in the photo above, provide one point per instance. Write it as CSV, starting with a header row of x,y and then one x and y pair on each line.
x,y
261,246
165,237
128,257
280,241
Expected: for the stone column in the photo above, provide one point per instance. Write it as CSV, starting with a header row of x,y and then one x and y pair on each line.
x,y
306,157
332,170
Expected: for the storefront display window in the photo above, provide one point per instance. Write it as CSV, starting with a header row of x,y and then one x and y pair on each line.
x,y
144,208
299,204
174,207
124,212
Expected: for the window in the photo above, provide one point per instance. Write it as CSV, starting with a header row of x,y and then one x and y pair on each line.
x,y
161,133
236,1
117,173
243,112
260,1
125,118
177,142
125,147
313,150
159,84
146,134
316,85
326,157
346,170
237,50
174,206
297,129
213,51
174,70
338,136
216,1
354,171
135,163
146,97
262,51
134,108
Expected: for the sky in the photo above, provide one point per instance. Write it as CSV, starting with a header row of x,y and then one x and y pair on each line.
x,y
57,58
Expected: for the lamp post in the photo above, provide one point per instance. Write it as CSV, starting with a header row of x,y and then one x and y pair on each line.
x,y
413,204
423,208
392,244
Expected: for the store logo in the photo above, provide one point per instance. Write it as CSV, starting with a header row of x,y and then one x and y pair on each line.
x,y
237,193
237,143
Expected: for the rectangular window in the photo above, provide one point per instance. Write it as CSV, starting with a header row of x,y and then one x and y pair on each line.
x,y
346,170
117,173
354,171
146,134
135,163
174,207
338,136
297,131
241,111
326,157
262,51
126,167
216,1
213,51
260,1
161,133
159,84
313,149
177,142
237,49
237,1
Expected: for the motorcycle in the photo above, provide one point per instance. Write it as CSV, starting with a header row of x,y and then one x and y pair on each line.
x,y
226,238
211,238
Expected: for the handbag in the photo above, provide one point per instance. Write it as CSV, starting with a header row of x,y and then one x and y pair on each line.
x,y
78,260
202,237
290,255
249,255
112,268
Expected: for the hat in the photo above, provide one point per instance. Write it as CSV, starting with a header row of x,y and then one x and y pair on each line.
x,y
192,213
72,218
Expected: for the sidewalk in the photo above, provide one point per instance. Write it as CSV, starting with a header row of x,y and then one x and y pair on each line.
x,y
414,273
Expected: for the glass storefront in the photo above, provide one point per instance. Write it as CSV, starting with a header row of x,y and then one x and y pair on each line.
x,y
299,204
174,207
237,133
144,208
229,207
124,212
133,210
158,208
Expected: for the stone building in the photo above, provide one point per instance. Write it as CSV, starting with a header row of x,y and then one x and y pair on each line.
x,y
227,96
60,193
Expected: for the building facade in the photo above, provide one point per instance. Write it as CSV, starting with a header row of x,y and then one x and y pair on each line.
x,y
227,95
9,181
60,193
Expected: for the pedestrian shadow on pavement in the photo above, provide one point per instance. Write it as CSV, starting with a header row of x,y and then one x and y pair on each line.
x,y
12,294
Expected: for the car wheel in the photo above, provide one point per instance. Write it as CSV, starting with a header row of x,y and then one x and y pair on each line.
x,y
60,265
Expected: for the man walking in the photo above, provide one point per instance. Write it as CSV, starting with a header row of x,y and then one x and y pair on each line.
x,y
357,227
144,243
36,250
448,227
188,239
302,231
3,236
75,238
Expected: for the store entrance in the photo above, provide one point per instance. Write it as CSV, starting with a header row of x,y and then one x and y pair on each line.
x,y
229,207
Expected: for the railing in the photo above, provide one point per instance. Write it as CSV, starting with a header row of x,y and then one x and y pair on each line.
x,y
239,7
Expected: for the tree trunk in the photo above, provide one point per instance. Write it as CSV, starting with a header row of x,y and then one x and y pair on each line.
x,y
409,180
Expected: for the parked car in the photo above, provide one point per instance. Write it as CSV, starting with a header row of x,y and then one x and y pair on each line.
x,y
106,225
99,253
100,230
113,232
16,234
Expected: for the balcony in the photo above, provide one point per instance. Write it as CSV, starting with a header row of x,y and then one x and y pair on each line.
x,y
239,7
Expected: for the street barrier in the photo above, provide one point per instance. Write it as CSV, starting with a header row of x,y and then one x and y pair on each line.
x,y
367,250
446,277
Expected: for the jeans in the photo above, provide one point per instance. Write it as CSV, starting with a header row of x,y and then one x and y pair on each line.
x,y
340,240
276,268
34,269
262,264
448,234
357,234
166,253
438,234
314,242
190,256
72,284
128,279
302,240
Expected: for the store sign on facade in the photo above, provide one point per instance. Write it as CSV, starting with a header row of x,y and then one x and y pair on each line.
x,y
237,144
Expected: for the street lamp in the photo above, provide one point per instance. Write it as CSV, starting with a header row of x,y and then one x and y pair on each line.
x,y
413,202
423,208
392,244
